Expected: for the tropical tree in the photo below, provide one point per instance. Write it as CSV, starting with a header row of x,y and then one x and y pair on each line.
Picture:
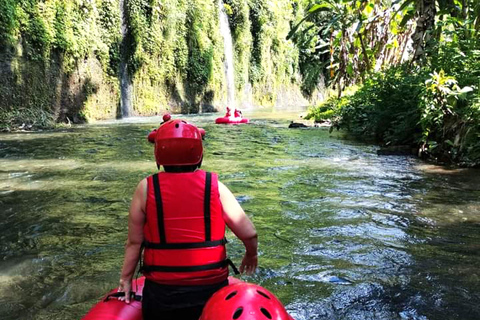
x,y
360,36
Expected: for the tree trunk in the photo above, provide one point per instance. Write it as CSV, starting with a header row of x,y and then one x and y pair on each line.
x,y
364,52
426,12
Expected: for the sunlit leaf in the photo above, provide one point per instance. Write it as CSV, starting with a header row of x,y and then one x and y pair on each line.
x,y
350,70
466,89
320,7
406,18
406,4
359,26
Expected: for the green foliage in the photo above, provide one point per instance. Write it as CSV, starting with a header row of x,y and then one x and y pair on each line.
x,y
200,67
176,46
239,19
430,102
34,29
385,109
52,46
173,48
247,20
74,28
448,118
60,40
449,104
7,21
25,118
327,110
274,58
345,40
109,21
201,51
433,111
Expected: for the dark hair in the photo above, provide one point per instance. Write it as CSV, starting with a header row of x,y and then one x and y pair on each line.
x,y
182,169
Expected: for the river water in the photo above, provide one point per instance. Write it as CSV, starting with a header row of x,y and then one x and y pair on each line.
x,y
343,233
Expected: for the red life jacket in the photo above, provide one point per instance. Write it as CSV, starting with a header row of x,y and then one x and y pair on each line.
x,y
184,230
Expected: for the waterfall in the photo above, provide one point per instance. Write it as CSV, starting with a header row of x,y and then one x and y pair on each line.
x,y
126,86
228,49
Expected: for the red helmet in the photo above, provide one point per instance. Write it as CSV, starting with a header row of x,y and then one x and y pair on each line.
x,y
151,136
244,301
166,117
202,132
177,143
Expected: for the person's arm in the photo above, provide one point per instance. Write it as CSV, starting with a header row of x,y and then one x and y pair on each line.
x,y
136,221
241,226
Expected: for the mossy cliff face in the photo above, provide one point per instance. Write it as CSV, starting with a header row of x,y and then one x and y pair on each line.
x,y
60,59
266,64
174,52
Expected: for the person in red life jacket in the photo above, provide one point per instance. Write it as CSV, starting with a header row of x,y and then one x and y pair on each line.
x,y
229,113
237,114
178,217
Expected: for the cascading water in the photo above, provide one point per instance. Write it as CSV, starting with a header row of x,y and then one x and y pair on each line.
x,y
126,87
228,48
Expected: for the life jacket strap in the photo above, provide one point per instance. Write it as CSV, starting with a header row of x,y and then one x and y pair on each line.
x,y
231,264
205,267
159,204
206,207
189,245
222,264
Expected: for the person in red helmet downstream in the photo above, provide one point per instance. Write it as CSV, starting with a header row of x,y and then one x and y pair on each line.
x,y
178,217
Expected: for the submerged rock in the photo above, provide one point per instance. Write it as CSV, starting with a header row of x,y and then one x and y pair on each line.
x,y
396,151
308,124
297,125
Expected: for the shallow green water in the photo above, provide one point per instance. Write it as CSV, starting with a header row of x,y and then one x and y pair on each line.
x,y
344,233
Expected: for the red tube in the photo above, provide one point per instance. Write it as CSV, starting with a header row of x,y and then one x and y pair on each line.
x,y
114,309
226,120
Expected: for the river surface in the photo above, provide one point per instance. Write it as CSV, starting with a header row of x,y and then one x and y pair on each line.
x,y
343,233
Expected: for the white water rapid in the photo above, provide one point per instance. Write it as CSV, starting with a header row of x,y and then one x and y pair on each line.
x,y
228,49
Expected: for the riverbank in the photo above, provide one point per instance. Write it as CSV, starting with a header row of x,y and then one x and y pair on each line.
x,y
435,116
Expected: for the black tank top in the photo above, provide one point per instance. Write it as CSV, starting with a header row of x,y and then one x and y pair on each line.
x,y
177,297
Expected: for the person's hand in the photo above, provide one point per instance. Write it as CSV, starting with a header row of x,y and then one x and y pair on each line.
x,y
249,263
125,286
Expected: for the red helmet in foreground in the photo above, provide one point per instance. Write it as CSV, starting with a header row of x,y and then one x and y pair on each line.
x,y
177,143
244,301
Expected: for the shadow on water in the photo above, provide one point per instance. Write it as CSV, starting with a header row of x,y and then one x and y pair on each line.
x,y
344,234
